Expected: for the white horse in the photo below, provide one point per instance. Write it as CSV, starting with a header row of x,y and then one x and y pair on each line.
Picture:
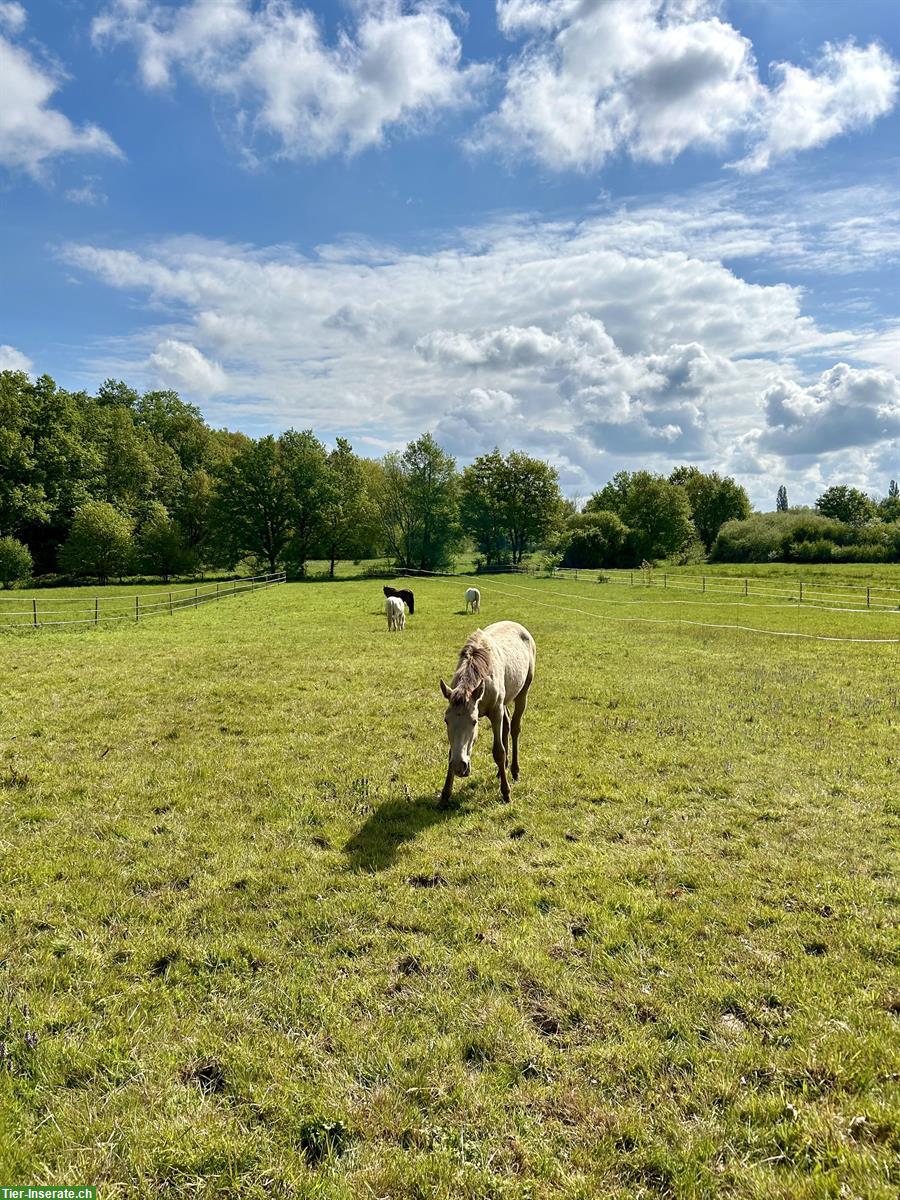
x,y
495,668
473,600
396,613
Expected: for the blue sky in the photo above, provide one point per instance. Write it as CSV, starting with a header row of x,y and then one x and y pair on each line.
x,y
616,234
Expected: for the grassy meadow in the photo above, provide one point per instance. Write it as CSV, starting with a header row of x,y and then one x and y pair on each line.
x,y
243,953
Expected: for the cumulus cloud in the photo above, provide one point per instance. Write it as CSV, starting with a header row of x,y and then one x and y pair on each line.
x,y
31,132
845,407
618,340
399,65
181,365
851,87
651,78
12,359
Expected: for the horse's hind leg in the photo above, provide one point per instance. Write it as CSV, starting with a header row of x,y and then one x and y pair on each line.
x,y
518,712
498,724
506,726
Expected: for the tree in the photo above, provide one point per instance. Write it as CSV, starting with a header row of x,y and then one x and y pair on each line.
x,y
595,539
116,391
419,505
481,507
889,508
847,504
160,545
781,500
15,561
656,511
345,515
99,542
713,500
251,506
530,499
304,463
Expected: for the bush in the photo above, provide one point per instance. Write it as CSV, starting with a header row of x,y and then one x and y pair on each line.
x,y
99,542
15,562
804,536
595,539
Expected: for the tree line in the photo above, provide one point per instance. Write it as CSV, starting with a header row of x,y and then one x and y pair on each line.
x,y
100,486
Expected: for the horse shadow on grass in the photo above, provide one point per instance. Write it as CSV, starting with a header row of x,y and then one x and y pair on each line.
x,y
376,843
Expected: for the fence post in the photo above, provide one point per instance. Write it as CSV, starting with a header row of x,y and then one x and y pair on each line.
x,y
217,591
801,591
137,608
868,597
170,605
632,578
576,576
704,583
196,600
96,609
665,580
746,581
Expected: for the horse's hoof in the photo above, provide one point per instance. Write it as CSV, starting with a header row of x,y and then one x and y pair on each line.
x,y
515,774
504,796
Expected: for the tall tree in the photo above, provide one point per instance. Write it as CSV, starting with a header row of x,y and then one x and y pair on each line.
x,y
889,508
481,507
846,504
419,505
251,505
345,515
713,500
656,511
781,500
304,462
531,501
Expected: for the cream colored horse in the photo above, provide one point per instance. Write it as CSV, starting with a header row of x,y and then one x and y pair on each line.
x,y
495,669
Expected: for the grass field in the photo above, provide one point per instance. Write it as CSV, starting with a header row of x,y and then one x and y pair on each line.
x,y
244,954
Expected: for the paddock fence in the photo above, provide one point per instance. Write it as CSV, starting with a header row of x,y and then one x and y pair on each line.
x,y
876,595
35,612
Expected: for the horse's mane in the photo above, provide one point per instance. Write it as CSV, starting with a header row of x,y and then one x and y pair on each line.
x,y
474,666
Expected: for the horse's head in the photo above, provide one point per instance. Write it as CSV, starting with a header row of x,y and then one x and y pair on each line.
x,y
388,591
461,719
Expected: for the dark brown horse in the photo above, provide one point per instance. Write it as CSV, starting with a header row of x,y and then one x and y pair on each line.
x,y
405,595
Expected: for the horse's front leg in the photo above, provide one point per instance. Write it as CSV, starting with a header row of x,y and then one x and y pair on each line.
x,y
497,724
447,789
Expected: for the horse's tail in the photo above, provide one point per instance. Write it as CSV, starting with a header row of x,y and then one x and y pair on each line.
x,y
412,603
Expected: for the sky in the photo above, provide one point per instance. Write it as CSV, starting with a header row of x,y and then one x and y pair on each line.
x,y
617,234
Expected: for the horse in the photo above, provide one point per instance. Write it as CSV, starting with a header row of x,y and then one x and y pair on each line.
x,y
495,668
473,598
396,615
405,595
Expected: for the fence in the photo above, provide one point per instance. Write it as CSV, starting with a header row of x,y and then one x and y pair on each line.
x,y
877,596
56,611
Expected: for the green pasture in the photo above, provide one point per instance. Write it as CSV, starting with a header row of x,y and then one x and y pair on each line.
x,y
243,953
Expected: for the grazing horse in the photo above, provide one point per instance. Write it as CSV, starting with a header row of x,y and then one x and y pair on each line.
x,y
405,595
473,600
396,615
495,668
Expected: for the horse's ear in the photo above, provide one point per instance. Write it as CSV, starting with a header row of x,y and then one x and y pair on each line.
x,y
445,690
478,693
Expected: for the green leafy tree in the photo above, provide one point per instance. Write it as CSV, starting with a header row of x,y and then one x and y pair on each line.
x,y
99,542
116,391
889,508
713,500
15,561
160,545
781,500
847,504
657,512
304,464
419,505
251,508
481,507
177,424
531,501
595,539
345,513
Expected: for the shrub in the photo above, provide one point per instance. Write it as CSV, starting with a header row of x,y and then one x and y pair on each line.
x,y
99,542
15,561
595,539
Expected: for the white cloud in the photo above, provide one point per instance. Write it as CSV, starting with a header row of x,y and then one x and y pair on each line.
x,y
12,359
88,193
30,131
651,78
845,407
851,88
398,66
178,364
12,16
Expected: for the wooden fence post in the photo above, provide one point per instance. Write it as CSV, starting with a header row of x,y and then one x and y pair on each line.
x,y
170,605
137,608
801,591
868,597
96,609
34,610
704,583
746,581
217,591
